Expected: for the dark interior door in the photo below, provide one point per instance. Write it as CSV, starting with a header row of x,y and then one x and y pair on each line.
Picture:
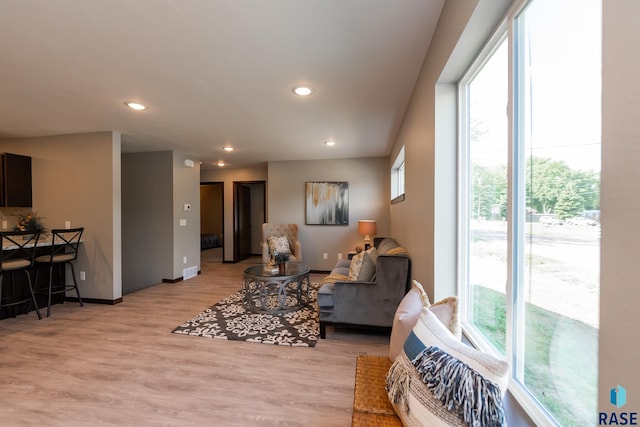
x,y
243,221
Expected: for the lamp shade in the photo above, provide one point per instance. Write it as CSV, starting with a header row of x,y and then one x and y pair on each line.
x,y
367,227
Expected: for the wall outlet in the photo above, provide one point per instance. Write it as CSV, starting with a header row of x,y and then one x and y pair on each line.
x,y
325,256
83,276
339,255
184,260
67,224
187,207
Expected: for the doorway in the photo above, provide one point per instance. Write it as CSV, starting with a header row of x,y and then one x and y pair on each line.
x,y
212,221
249,206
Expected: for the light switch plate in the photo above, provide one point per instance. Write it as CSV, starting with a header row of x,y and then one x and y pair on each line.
x,y
183,222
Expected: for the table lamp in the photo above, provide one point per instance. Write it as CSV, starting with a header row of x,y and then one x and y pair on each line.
x,y
367,228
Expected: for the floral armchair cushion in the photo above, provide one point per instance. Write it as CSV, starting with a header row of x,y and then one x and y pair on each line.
x,y
288,232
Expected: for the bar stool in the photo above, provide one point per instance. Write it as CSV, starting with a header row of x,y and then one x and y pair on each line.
x,y
17,254
63,251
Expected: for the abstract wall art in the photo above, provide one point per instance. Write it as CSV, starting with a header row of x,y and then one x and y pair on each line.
x,y
327,203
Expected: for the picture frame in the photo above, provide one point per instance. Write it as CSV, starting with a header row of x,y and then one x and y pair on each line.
x,y
327,203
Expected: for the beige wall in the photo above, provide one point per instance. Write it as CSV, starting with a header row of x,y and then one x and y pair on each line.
x,y
368,199
77,178
369,195
186,238
156,187
147,218
413,220
620,205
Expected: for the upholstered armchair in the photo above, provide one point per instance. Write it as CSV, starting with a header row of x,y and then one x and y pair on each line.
x,y
287,233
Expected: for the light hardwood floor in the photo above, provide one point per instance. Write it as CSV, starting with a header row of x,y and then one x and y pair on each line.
x,y
120,365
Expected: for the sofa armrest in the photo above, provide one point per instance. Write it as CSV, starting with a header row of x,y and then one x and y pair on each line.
x,y
357,303
394,271
373,303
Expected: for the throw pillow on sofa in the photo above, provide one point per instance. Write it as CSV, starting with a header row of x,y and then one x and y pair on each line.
x,y
439,381
356,266
409,311
398,250
368,268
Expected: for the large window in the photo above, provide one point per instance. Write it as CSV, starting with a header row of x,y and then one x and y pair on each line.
x,y
529,217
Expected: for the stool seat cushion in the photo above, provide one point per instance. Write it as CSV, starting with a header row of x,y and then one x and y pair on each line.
x,y
15,264
56,258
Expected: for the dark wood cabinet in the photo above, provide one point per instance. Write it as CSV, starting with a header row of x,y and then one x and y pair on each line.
x,y
15,181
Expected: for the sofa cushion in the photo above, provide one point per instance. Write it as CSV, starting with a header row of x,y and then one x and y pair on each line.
x,y
439,381
326,295
386,244
368,268
334,277
409,311
342,263
279,244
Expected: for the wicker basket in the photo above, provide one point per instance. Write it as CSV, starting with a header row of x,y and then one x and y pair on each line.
x,y
371,406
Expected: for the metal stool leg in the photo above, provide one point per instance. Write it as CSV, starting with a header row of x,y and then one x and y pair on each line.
x,y
33,296
75,284
49,293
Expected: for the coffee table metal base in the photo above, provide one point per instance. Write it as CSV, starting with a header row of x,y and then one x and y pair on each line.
x,y
275,294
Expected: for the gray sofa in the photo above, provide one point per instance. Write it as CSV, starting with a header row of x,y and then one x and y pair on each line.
x,y
371,302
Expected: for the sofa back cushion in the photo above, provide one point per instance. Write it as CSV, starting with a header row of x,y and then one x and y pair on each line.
x,y
386,244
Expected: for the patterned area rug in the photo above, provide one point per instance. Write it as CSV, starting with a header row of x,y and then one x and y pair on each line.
x,y
228,319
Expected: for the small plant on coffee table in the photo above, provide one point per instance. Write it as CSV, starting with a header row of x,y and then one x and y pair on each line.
x,y
280,257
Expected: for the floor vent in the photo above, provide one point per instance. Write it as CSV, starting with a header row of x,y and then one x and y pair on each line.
x,y
190,272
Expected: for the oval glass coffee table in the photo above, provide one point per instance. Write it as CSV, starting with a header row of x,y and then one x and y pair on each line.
x,y
264,292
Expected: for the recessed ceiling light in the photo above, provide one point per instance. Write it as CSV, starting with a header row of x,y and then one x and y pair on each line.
x,y
303,90
330,143
220,163
136,106
228,148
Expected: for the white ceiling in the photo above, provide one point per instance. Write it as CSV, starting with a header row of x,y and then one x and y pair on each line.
x,y
215,72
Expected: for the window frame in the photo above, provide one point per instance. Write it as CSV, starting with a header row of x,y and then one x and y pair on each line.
x,y
516,211
398,178
464,167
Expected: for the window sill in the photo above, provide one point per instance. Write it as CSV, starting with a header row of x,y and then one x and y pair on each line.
x,y
520,408
398,199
